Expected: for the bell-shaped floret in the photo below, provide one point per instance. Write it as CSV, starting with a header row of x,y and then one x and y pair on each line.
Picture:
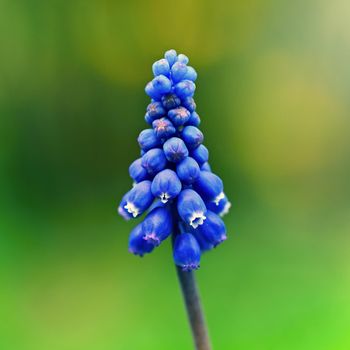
x,y
179,116
178,71
210,187
200,154
185,88
148,139
187,252
154,161
155,110
137,200
137,172
170,101
194,119
171,56
222,208
182,58
157,225
161,67
192,136
213,229
163,128
175,150
166,185
188,170
191,74
191,208
137,244
161,84
188,102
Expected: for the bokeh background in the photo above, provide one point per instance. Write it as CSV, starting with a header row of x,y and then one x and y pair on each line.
x,y
273,94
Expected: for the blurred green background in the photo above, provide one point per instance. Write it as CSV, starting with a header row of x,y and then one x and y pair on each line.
x,y
273,94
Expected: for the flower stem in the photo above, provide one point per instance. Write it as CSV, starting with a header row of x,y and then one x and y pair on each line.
x,y
194,309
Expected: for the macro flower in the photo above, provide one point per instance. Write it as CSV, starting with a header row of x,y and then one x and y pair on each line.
x,y
173,184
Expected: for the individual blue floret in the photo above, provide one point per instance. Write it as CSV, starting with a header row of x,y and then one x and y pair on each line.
x,y
200,154
170,101
192,136
163,128
210,187
188,170
171,57
179,116
157,225
185,88
137,244
189,103
194,119
148,139
175,150
137,200
137,172
213,229
155,110
154,161
161,67
166,185
191,208
187,252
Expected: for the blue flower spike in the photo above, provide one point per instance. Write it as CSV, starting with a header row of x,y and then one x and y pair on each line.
x,y
173,182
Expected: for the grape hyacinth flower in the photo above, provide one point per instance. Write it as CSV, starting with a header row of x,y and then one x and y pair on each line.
x,y
173,182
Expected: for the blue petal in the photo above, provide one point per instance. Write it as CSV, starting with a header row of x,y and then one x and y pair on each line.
x,y
161,67
170,101
171,56
137,244
209,186
175,150
163,128
138,199
185,88
155,110
179,116
154,161
222,208
191,208
178,71
188,170
161,84
152,92
192,136
137,172
194,119
166,185
157,225
213,229
187,252
148,139
191,74
200,154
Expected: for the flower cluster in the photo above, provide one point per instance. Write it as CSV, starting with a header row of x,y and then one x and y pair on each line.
x,y
173,181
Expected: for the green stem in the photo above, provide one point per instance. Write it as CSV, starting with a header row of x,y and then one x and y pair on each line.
x,y
194,309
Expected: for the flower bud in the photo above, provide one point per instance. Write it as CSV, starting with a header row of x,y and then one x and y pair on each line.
x,y
200,154
179,116
222,208
187,252
154,161
137,244
170,101
137,200
191,208
157,225
148,139
161,84
163,128
213,229
188,102
152,92
182,58
185,88
192,136
188,170
209,186
137,172
171,57
166,185
175,150
206,167
155,110
161,67
191,74
194,119
178,71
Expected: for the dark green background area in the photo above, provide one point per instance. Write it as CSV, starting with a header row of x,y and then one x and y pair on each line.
x,y
273,95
